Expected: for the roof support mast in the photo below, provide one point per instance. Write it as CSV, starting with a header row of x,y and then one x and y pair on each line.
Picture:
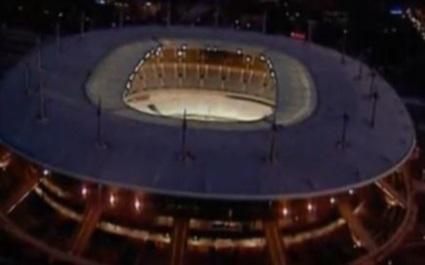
x,y
99,130
184,135
274,128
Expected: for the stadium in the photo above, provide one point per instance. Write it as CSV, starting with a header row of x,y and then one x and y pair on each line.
x,y
195,145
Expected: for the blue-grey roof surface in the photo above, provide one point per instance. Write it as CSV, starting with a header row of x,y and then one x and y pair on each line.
x,y
228,163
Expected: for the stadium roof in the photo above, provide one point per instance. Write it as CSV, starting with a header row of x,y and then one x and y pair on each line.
x,y
229,160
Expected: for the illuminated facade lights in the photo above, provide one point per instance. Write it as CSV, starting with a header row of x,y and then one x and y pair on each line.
x,y
417,24
84,191
351,192
112,199
357,242
138,205
5,161
230,213
310,207
285,211
332,200
46,172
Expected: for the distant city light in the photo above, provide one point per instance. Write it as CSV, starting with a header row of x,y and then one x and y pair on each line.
x,y
100,2
298,36
396,11
46,172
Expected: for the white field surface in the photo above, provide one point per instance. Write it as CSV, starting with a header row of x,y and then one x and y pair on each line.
x,y
200,105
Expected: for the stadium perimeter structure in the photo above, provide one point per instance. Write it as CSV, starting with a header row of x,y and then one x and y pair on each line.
x,y
304,146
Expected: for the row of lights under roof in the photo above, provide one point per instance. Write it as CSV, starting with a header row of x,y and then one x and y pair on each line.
x,y
113,199
138,204
417,24
180,52
310,206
